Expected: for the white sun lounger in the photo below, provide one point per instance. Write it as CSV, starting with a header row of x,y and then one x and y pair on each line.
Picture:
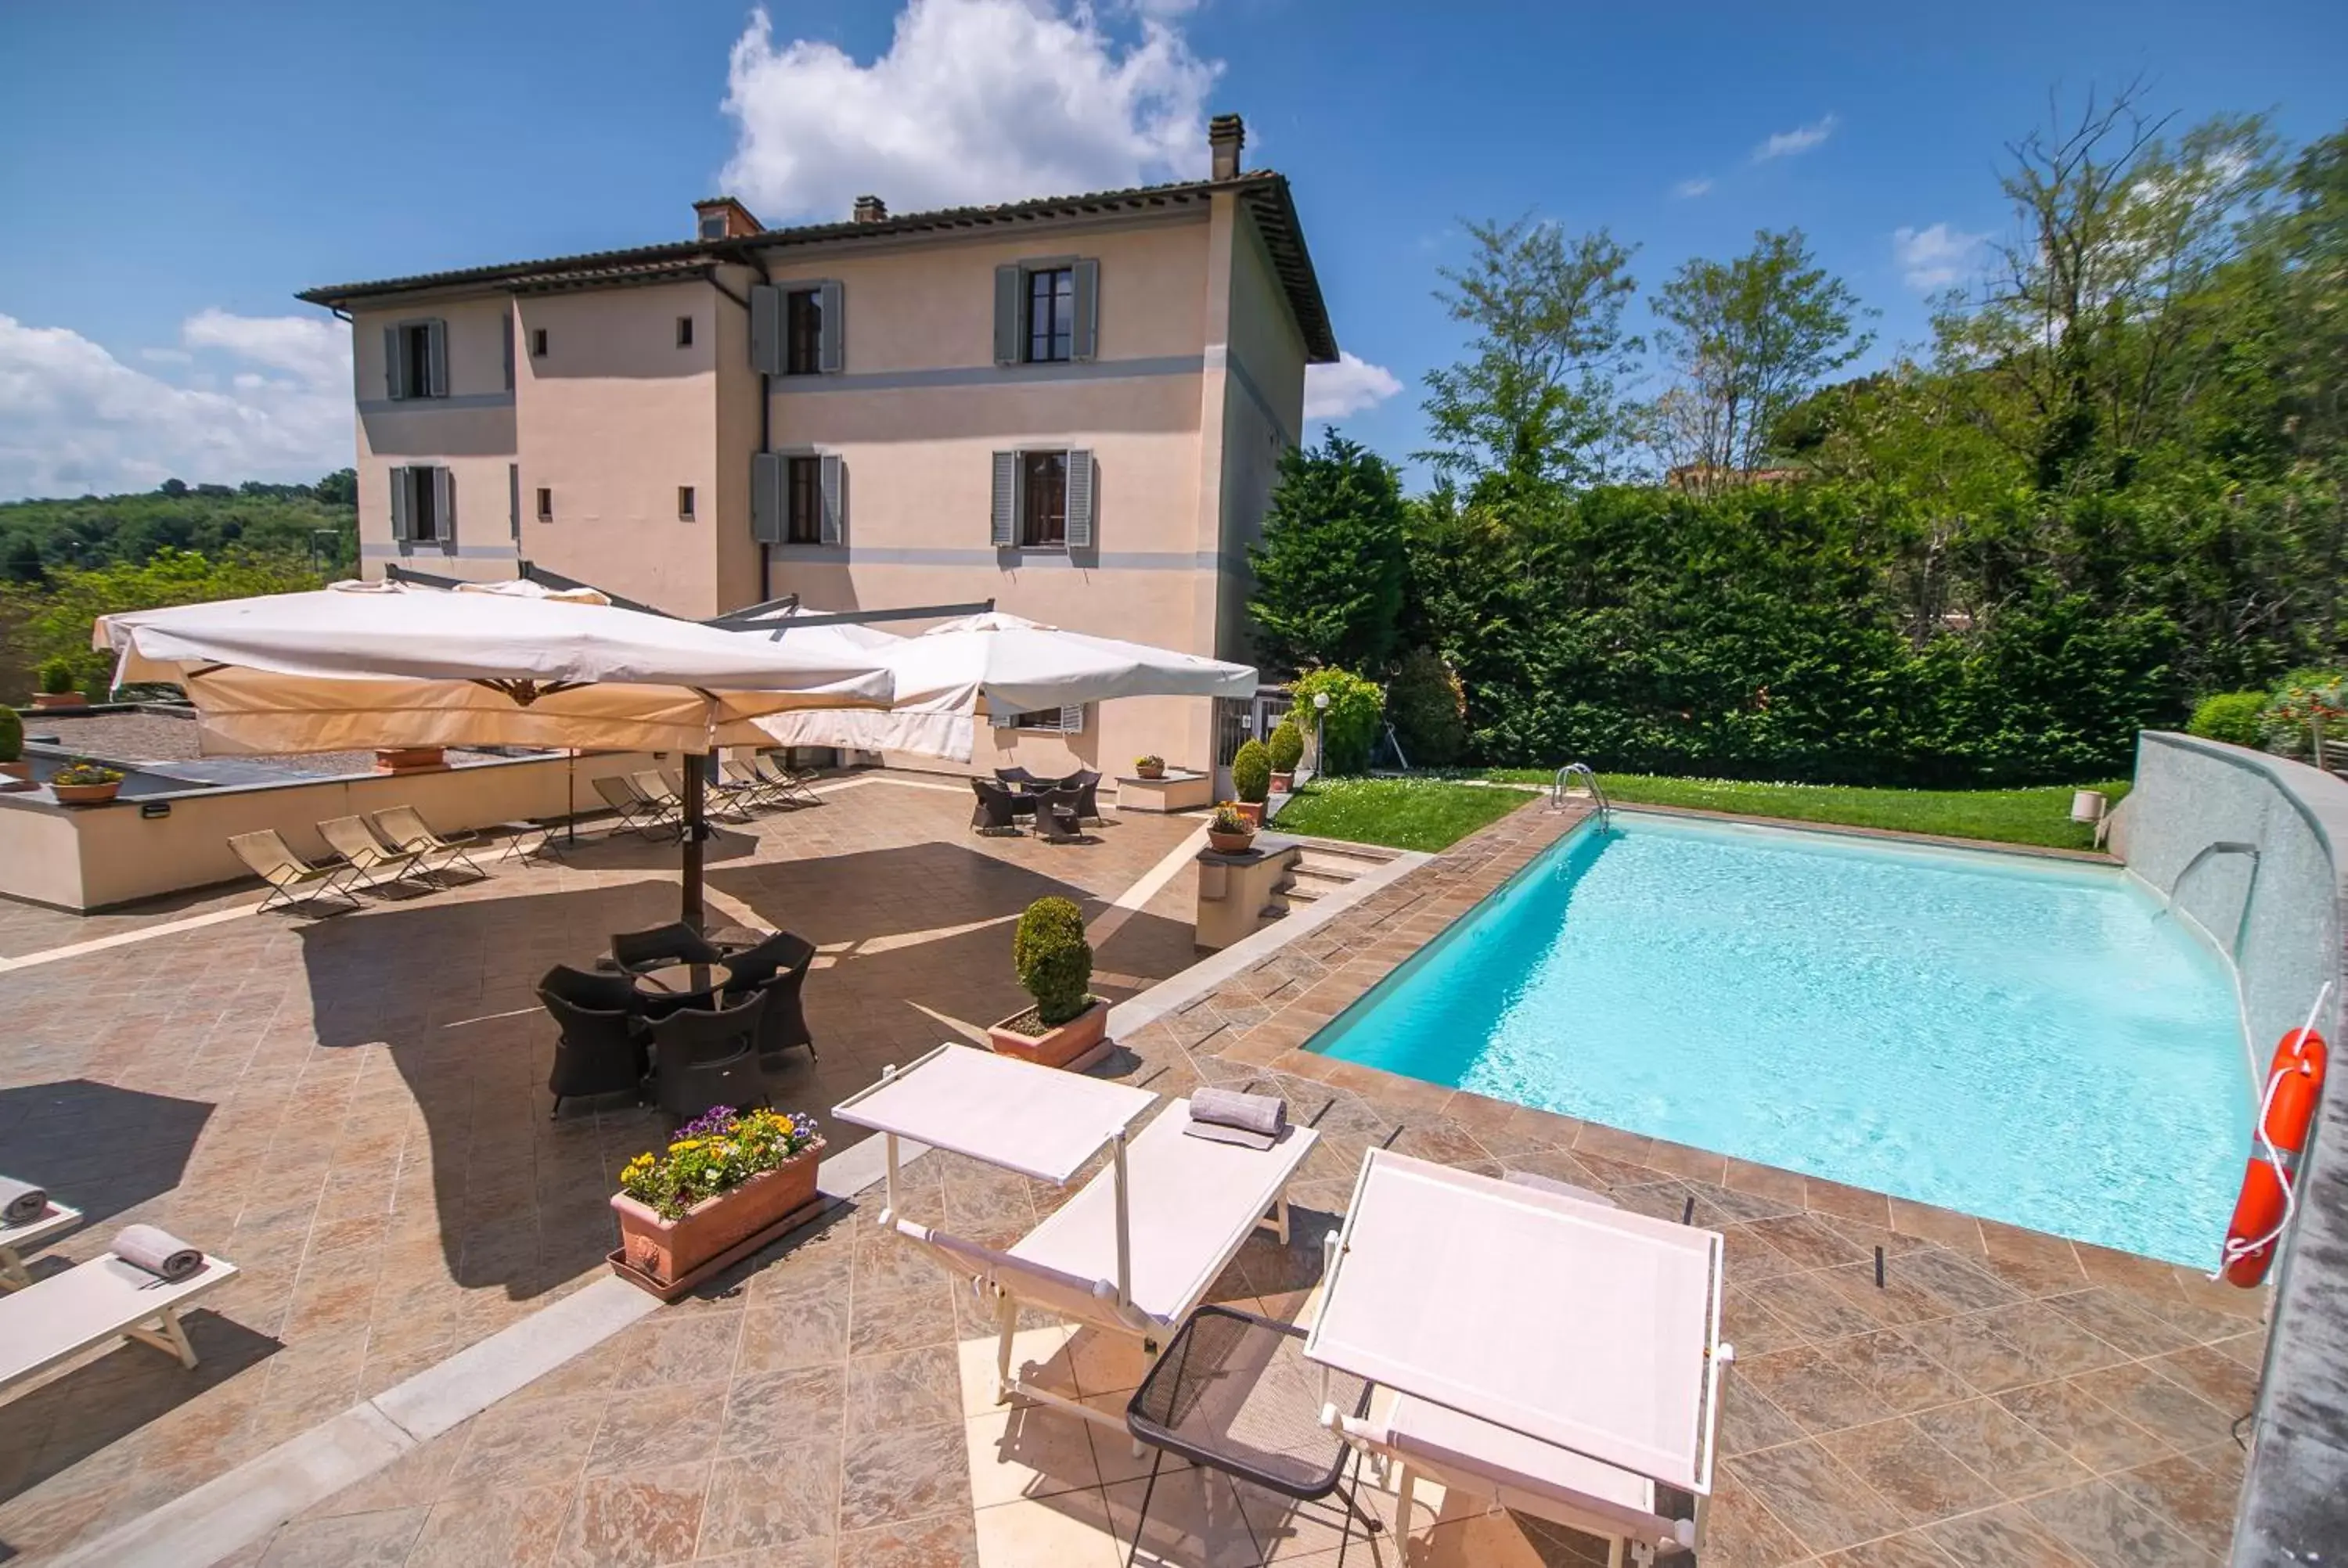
x,y
1137,1249
13,1239
105,1299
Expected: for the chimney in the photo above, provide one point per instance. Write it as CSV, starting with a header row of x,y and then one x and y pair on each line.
x,y
722,218
871,210
1225,136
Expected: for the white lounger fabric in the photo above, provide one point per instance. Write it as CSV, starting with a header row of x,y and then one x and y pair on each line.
x,y
1192,1203
1519,1473
67,1313
15,1238
1037,1120
1580,1325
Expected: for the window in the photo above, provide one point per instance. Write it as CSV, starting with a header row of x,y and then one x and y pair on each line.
x,y
1043,499
423,506
1051,315
416,359
538,343
803,512
1068,721
545,505
513,500
685,503
685,332
803,332
713,225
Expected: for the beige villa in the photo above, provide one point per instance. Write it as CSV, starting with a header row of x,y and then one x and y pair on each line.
x,y
1072,405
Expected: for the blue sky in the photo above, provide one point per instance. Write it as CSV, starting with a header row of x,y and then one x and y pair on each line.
x,y
175,171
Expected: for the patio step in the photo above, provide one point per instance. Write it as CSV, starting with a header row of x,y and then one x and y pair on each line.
x,y
1323,866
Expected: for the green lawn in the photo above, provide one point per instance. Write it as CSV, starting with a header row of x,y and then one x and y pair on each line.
x,y
2040,815
1403,813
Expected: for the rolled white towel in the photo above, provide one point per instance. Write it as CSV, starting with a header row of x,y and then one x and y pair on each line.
x,y
1227,1116
157,1250
21,1202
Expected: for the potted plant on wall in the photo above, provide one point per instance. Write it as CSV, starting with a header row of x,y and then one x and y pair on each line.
x,y
1251,780
1286,748
1152,766
1228,832
728,1176
409,760
85,783
15,772
1054,962
58,689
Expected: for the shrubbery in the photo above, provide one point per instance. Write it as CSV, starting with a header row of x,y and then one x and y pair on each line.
x,y
1054,960
1350,725
11,734
1286,745
1252,772
1428,710
2233,717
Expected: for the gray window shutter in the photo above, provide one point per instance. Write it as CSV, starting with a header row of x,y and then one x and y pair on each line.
x,y
1006,499
395,367
1080,500
766,498
403,527
1088,329
508,326
1072,720
767,329
831,482
444,504
513,499
436,348
831,339
1010,282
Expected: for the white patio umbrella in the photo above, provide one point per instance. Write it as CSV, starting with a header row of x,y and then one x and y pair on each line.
x,y
361,666
1013,665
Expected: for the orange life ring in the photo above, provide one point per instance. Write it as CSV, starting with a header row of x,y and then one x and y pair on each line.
x,y
2294,1085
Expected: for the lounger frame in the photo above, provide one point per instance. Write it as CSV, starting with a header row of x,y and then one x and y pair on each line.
x,y
55,1221
169,1298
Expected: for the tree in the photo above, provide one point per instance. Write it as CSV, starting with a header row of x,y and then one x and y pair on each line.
x,y
1329,572
339,488
1536,400
1747,340
54,619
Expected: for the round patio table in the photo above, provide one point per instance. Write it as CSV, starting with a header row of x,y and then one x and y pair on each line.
x,y
679,985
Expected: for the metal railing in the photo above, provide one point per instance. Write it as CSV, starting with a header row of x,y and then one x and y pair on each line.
x,y
1560,791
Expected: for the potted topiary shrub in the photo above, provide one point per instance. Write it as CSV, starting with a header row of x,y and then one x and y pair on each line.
x,y
15,772
1251,780
1149,767
1066,1026
1228,832
85,783
1286,748
58,689
727,1178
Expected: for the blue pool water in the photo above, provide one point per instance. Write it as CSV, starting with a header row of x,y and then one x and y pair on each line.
x,y
2028,1040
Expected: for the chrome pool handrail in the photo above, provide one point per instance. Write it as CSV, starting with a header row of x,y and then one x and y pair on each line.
x,y
1589,776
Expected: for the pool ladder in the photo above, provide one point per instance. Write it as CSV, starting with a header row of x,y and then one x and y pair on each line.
x,y
1561,790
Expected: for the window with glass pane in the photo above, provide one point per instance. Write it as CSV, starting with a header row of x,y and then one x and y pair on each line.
x,y
802,333
1051,313
803,481
1044,498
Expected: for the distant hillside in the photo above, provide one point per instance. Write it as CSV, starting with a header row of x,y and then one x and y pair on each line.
x,y
296,520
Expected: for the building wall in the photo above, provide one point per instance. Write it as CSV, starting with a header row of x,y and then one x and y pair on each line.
x,y
613,419
2289,906
471,433
1263,416
740,581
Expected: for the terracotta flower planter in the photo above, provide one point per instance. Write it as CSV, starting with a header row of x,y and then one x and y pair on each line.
x,y
1283,784
15,776
85,794
59,699
411,760
1229,842
668,1250
1250,809
1060,1047
1147,772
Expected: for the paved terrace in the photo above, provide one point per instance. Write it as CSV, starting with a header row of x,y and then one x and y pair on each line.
x,y
2005,1396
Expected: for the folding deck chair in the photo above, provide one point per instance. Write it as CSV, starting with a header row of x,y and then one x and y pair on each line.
x,y
105,1299
368,857
404,827
755,789
637,811
792,786
293,881
1137,1249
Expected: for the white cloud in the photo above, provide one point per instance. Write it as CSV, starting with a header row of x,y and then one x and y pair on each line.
x,y
974,101
1689,189
1933,259
1800,139
1348,386
74,419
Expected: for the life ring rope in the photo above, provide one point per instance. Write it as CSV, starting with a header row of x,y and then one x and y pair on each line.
x,y
2239,1247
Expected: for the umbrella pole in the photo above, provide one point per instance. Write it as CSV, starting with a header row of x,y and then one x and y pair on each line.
x,y
695,829
571,798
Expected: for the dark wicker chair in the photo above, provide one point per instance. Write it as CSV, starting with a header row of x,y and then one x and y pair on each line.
x,y
784,960
633,952
1086,784
997,810
602,1048
704,1058
1059,816
1017,778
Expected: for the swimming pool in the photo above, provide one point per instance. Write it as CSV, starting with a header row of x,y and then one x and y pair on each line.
x,y
2029,1040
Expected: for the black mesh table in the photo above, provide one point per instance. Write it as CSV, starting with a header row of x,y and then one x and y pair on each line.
x,y
1234,1391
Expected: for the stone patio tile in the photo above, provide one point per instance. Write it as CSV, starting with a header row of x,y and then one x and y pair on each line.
x,y
493,1528
2110,1530
1807,1385
2198,1500
1998,1445
517,1447
2168,1411
941,1540
1823,1504
2007,1535
2083,1426
378,1540
899,1474
636,1520
658,1427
